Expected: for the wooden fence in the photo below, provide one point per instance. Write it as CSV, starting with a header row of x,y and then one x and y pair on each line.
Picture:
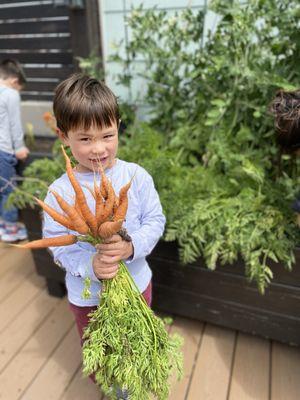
x,y
46,39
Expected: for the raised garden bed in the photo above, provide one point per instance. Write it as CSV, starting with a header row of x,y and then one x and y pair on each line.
x,y
40,148
223,296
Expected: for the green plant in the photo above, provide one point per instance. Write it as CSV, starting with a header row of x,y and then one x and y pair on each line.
x,y
210,100
210,143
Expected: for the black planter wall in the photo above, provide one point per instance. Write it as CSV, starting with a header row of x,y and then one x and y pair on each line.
x,y
225,297
44,264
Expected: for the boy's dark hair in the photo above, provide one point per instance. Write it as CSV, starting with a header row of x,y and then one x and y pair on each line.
x,y
10,68
81,101
286,109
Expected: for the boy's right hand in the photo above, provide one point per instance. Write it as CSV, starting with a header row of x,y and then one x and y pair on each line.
x,y
104,269
22,153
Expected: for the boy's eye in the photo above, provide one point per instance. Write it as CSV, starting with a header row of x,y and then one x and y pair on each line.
x,y
108,136
84,139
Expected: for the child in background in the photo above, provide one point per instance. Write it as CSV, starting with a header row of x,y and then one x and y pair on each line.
x,y
12,148
286,110
87,118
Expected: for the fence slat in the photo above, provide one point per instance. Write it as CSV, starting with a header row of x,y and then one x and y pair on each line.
x,y
19,1
39,58
59,73
34,11
38,97
63,43
15,28
41,86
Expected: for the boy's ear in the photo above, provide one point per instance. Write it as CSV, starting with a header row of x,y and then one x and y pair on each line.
x,y
62,136
14,83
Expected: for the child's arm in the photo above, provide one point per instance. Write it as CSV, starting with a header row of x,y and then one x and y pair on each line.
x,y
16,130
152,219
144,239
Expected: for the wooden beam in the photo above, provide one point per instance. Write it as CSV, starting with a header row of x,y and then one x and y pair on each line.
x,y
85,31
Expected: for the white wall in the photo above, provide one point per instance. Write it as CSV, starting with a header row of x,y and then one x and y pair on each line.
x,y
114,29
32,113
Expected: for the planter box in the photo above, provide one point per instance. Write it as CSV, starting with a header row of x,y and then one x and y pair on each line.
x,y
44,265
224,296
42,149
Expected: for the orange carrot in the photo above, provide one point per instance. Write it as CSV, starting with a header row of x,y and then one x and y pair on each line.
x,y
99,205
61,219
104,182
109,204
116,204
80,197
109,228
99,209
65,240
121,211
78,223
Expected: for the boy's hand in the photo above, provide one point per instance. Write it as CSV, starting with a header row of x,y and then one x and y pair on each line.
x,y
108,256
22,154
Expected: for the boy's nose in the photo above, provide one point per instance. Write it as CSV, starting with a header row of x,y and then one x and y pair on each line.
x,y
98,147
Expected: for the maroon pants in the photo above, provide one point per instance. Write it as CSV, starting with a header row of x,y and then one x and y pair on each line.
x,y
82,319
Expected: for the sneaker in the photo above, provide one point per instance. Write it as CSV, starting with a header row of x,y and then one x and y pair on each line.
x,y
14,233
2,227
122,394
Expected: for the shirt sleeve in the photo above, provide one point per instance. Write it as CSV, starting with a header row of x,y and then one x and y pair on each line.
x,y
14,114
76,258
152,220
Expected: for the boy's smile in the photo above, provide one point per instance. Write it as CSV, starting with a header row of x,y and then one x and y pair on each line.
x,y
91,146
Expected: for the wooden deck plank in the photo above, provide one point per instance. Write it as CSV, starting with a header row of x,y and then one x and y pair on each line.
x,y
42,358
21,328
81,388
13,258
191,331
59,370
285,372
211,376
15,303
14,277
21,371
251,370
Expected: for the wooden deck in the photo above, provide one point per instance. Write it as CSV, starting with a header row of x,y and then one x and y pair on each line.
x,y
40,355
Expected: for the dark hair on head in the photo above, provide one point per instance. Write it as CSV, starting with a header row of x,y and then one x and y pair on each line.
x,y
286,109
12,69
81,101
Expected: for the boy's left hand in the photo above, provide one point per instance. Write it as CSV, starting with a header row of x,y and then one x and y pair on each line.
x,y
114,249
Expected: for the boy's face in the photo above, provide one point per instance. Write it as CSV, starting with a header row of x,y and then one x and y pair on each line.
x,y
90,146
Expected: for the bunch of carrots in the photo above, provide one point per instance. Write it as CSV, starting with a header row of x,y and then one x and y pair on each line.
x,y
126,345
110,212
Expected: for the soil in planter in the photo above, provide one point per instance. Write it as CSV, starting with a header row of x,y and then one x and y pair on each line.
x,y
40,144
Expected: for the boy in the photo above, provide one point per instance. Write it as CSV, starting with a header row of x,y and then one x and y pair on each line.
x,y
12,148
87,118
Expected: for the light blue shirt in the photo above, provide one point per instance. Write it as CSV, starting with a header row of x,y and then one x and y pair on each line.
x,y
144,222
11,131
